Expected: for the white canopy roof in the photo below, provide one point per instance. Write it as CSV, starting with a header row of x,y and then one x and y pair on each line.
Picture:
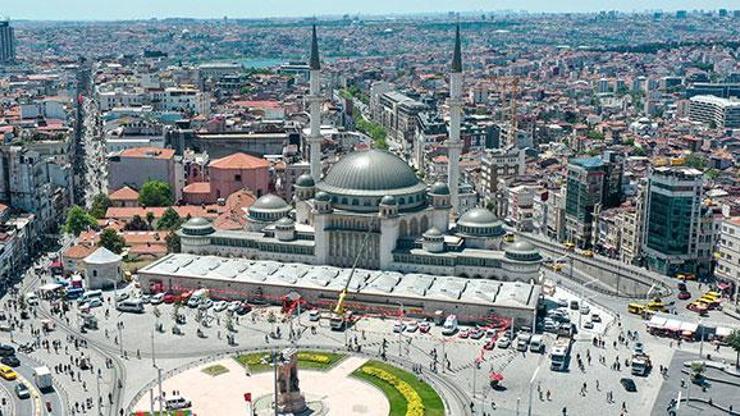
x,y
102,256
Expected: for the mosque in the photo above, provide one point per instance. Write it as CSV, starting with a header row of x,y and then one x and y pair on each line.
x,y
373,204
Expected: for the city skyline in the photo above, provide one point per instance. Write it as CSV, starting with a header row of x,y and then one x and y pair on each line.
x,y
141,9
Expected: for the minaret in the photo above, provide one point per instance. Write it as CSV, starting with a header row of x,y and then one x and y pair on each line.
x,y
314,99
454,146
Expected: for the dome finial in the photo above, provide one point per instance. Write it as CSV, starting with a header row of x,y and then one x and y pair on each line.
x,y
457,55
314,61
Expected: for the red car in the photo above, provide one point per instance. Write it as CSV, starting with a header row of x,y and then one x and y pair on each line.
x,y
490,344
169,298
684,295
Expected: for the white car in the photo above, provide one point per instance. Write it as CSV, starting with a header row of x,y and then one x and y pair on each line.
x,y
121,297
205,304
412,326
234,306
588,325
157,299
220,306
177,402
193,302
503,342
399,327
313,315
585,310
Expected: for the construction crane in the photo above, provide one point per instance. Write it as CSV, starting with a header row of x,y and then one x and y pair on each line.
x,y
340,316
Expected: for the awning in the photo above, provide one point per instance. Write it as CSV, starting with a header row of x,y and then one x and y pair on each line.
x,y
50,287
656,322
723,331
56,264
672,325
689,327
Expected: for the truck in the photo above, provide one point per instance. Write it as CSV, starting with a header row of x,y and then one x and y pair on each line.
x,y
340,322
560,353
42,378
522,341
641,364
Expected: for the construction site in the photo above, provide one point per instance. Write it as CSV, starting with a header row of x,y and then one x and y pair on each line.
x,y
363,292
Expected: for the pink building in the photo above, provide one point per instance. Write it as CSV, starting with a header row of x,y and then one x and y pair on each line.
x,y
236,172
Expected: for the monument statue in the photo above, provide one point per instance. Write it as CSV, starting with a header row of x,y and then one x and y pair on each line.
x,y
290,398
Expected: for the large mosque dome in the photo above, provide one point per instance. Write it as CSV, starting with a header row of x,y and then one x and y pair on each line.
x,y
360,179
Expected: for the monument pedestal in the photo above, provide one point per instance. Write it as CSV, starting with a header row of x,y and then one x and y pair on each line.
x,y
290,399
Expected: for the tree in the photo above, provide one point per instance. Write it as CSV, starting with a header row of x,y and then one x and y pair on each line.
x,y
173,242
170,220
111,240
155,194
697,369
733,340
136,224
100,205
150,219
696,161
78,220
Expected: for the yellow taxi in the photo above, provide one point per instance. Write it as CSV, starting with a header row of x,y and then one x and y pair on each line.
x,y
509,238
587,253
636,308
569,246
558,267
7,373
656,305
713,295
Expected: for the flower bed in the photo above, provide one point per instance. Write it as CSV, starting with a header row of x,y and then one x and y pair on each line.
x,y
406,393
310,360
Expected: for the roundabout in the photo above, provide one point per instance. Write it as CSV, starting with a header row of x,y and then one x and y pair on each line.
x,y
333,384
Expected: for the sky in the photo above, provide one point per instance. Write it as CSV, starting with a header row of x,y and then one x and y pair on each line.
x,y
144,9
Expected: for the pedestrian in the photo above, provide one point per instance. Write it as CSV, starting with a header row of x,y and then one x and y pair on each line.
x,y
548,395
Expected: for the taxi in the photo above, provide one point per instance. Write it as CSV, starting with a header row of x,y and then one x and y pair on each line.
x,y
7,373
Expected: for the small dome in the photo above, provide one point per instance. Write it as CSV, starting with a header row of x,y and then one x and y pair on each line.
x,y
480,222
322,196
478,216
285,222
197,226
439,188
433,232
522,251
305,181
388,200
269,202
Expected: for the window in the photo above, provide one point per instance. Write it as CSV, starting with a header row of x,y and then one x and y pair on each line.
x,y
237,178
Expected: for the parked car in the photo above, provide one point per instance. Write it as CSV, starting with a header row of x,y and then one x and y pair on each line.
x,y
6,350
11,361
490,344
628,384
244,309
157,298
122,296
595,317
464,333
205,304
574,305
425,327
169,298
220,306
477,333
399,327
234,306
684,295
585,309
562,302
504,342
176,403
588,325
412,326
8,373
22,391
314,315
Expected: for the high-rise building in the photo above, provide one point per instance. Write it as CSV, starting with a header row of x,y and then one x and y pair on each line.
x,y
499,166
716,111
670,240
7,42
728,262
593,184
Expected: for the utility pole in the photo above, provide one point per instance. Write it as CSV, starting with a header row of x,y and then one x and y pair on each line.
x,y
275,378
154,361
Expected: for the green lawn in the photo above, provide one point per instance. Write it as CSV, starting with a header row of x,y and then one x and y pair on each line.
x,y
215,370
308,360
433,405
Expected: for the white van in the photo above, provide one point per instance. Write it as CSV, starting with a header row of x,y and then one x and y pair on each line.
x,y
450,325
176,403
537,344
131,305
90,294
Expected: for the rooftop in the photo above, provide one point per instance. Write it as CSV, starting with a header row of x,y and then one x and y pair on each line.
x,y
148,152
240,161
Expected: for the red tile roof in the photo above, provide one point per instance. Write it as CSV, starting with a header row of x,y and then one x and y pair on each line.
x,y
124,194
197,188
149,152
79,251
126,213
240,161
